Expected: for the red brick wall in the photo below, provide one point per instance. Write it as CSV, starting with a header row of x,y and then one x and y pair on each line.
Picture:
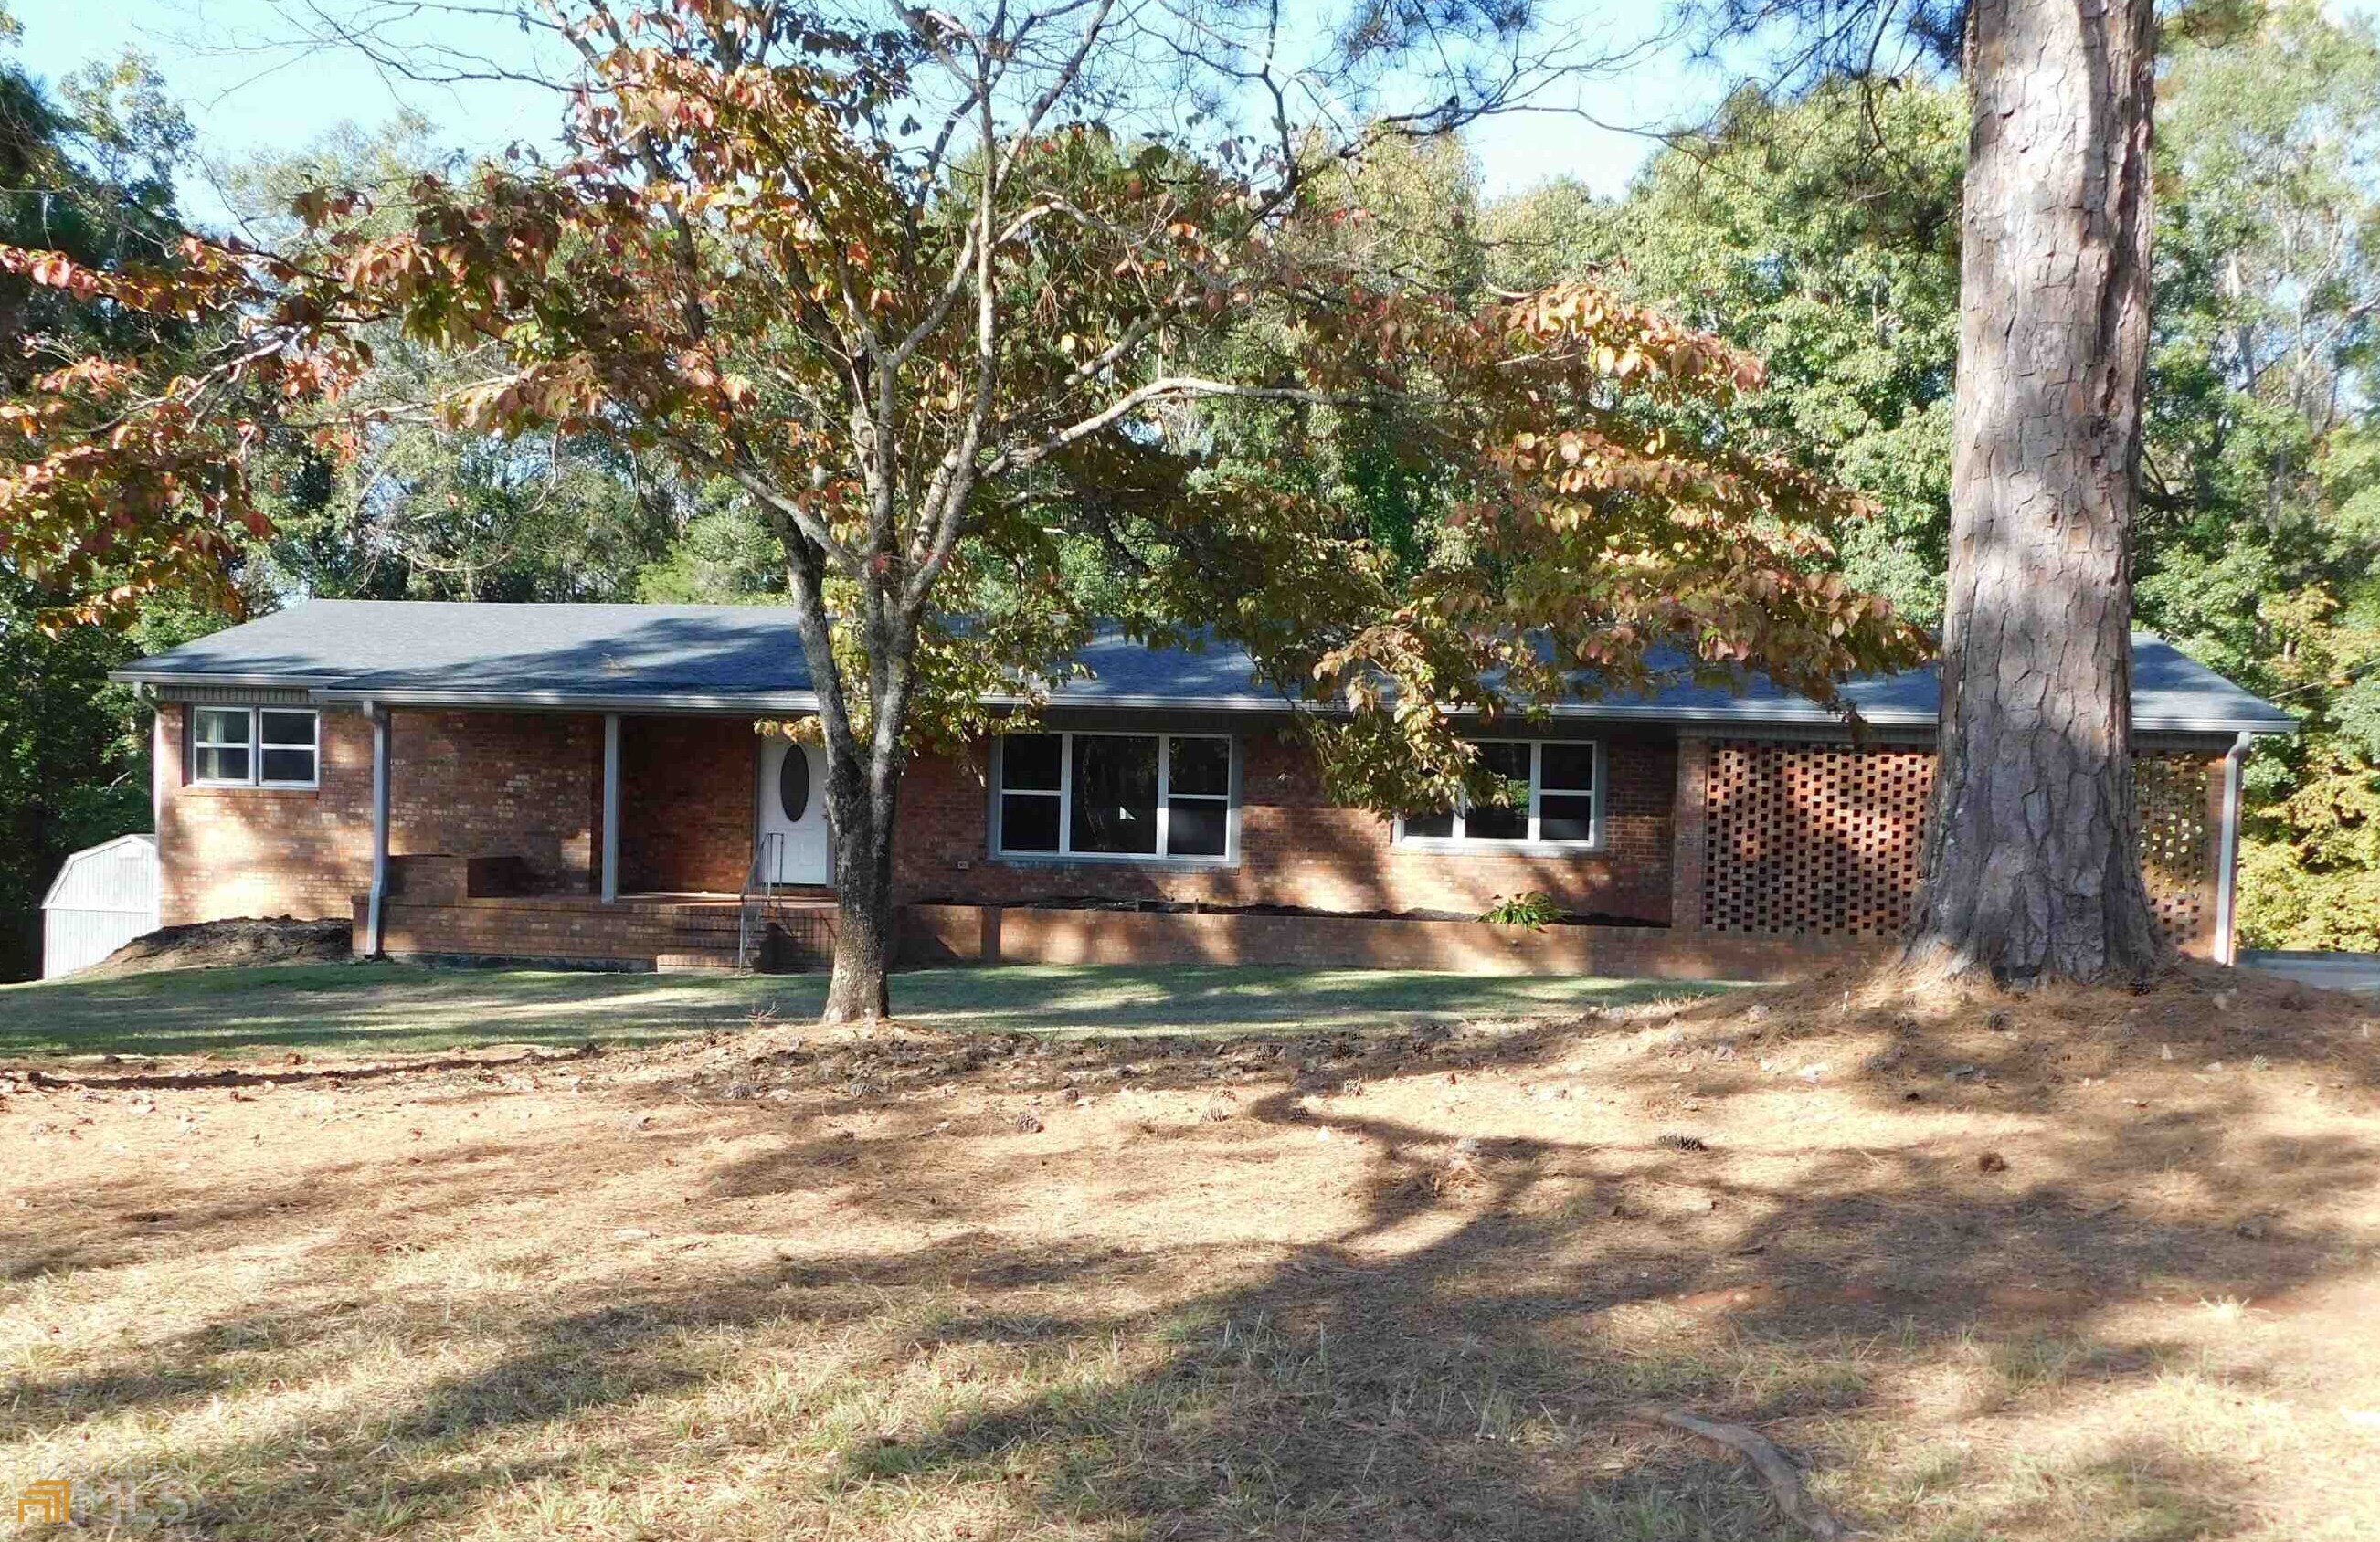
x,y
528,786
1295,849
257,850
525,784
466,784
686,804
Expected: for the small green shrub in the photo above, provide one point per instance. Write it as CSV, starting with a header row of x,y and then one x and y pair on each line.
x,y
1531,910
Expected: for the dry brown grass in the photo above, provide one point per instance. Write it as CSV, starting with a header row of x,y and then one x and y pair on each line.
x,y
796,1284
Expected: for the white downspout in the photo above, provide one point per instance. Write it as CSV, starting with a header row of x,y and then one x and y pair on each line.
x,y
2226,872
610,807
375,901
157,771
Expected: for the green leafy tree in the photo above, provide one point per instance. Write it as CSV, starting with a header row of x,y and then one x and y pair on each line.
x,y
1820,232
422,509
2262,486
87,170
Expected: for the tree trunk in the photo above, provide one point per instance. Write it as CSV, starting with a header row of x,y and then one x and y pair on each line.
x,y
861,831
863,786
2031,868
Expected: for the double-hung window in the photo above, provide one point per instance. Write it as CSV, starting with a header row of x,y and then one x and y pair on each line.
x,y
255,747
1553,797
1114,797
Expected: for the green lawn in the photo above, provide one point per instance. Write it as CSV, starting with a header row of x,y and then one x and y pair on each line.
x,y
368,1008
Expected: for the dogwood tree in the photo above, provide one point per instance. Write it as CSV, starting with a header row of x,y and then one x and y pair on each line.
x,y
967,307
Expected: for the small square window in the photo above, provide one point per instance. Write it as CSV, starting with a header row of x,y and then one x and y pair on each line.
x,y
1565,816
290,757
1568,768
223,763
223,745
1200,767
1196,826
248,746
1029,762
1028,822
222,725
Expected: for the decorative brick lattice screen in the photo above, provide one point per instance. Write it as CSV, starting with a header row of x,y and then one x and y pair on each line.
x,y
1814,838
1824,839
2177,842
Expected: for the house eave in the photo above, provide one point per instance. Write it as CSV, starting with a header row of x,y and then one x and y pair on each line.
x,y
338,692
191,680
760,704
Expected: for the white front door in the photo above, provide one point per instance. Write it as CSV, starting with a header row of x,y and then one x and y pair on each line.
x,y
792,812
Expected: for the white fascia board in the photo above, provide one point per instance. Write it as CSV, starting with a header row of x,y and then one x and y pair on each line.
x,y
222,681
573,701
332,691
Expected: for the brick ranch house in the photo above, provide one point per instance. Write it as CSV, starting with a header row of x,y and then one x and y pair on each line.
x,y
583,783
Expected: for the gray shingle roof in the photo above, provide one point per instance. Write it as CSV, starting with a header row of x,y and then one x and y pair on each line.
x,y
745,658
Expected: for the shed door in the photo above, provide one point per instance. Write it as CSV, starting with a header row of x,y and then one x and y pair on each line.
x,y
792,812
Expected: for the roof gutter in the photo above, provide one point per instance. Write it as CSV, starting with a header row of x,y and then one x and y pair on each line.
x,y
232,682
573,701
334,691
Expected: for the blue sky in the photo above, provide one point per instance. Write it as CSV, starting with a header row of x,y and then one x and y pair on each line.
x,y
248,90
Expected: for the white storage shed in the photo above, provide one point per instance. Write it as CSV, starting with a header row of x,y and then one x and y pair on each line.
x,y
104,896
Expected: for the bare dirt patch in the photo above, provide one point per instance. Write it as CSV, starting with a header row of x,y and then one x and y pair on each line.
x,y
224,944
1412,1284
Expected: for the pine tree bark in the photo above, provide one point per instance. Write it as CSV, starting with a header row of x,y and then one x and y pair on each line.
x,y
2031,868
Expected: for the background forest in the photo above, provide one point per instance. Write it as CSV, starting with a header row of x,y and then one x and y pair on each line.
x,y
1820,231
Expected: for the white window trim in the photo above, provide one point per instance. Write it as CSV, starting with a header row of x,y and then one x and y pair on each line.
x,y
256,746
1457,842
1229,798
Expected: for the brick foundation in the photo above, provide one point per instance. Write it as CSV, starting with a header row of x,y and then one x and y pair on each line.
x,y
644,934
936,934
577,930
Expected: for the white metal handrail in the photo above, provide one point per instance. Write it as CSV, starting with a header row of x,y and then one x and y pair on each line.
x,y
759,888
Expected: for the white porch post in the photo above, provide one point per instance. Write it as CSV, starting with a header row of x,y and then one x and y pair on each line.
x,y
373,905
610,806
2227,856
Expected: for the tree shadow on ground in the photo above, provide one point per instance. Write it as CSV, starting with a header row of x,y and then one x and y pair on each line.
x,y
1457,1358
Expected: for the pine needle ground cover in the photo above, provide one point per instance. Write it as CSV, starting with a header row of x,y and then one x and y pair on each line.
x,y
2083,1264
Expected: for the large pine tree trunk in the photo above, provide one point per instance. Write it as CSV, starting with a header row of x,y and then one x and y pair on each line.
x,y
2031,867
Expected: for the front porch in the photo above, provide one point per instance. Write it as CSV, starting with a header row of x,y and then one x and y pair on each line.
x,y
677,842
427,917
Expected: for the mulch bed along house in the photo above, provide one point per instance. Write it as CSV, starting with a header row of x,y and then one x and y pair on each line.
x,y
584,783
